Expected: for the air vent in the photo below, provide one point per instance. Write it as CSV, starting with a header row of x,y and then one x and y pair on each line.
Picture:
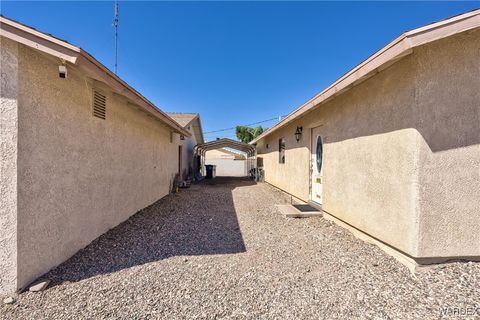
x,y
99,105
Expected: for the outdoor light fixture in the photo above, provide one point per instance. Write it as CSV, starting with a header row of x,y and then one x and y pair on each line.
x,y
298,133
62,71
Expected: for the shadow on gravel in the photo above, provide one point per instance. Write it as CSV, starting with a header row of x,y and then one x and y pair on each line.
x,y
200,220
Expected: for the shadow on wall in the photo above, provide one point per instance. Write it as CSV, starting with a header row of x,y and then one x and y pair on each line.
x,y
198,221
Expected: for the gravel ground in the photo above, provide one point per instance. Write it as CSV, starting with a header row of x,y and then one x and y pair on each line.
x,y
223,251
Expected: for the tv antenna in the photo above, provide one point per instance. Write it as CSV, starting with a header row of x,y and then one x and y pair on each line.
x,y
115,25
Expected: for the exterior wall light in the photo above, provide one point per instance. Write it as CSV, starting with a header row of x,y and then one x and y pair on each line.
x,y
62,71
298,133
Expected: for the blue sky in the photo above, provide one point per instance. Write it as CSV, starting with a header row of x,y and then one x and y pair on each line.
x,y
233,62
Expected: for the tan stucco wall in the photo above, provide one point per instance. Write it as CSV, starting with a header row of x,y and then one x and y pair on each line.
x,y
78,175
401,152
228,167
293,175
8,165
449,163
218,154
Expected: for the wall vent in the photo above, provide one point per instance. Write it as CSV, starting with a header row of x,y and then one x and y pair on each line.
x,y
99,105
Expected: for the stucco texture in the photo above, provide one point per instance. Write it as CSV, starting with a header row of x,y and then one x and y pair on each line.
x,y
8,165
401,152
223,154
449,159
78,175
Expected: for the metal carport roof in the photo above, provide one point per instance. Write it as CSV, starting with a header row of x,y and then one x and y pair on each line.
x,y
201,149
225,143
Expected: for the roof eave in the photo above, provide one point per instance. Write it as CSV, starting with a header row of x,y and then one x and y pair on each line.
x,y
200,130
37,40
391,53
77,56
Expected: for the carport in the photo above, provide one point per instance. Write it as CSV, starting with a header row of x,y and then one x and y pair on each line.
x,y
201,149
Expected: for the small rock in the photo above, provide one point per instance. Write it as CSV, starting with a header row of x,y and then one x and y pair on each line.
x,y
9,300
39,286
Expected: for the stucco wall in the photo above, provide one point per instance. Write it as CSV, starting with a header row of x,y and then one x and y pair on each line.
x,y
8,165
400,152
78,175
293,175
218,154
369,165
224,154
229,167
449,176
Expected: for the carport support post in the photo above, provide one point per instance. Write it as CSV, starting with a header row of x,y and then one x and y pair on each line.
x,y
195,162
200,160
203,162
252,164
255,164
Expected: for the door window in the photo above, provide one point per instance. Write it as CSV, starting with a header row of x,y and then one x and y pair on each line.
x,y
319,154
281,150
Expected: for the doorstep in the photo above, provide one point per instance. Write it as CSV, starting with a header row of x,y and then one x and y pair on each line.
x,y
298,211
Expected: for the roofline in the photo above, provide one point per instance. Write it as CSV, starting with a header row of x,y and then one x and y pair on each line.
x,y
391,53
201,129
230,152
220,143
196,116
77,56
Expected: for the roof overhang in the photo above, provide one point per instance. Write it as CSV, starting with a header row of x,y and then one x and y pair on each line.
x,y
200,136
197,129
225,143
385,57
93,68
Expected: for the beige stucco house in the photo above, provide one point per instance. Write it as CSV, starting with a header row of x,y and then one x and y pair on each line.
x,y
81,151
190,122
391,150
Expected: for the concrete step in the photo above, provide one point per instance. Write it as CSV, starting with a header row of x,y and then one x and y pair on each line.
x,y
298,211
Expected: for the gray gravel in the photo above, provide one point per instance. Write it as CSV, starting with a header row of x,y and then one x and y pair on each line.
x,y
223,251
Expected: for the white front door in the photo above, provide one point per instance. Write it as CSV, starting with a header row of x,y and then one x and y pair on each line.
x,y
317,166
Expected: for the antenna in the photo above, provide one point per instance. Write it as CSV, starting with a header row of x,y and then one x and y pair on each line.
x,y
115,25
